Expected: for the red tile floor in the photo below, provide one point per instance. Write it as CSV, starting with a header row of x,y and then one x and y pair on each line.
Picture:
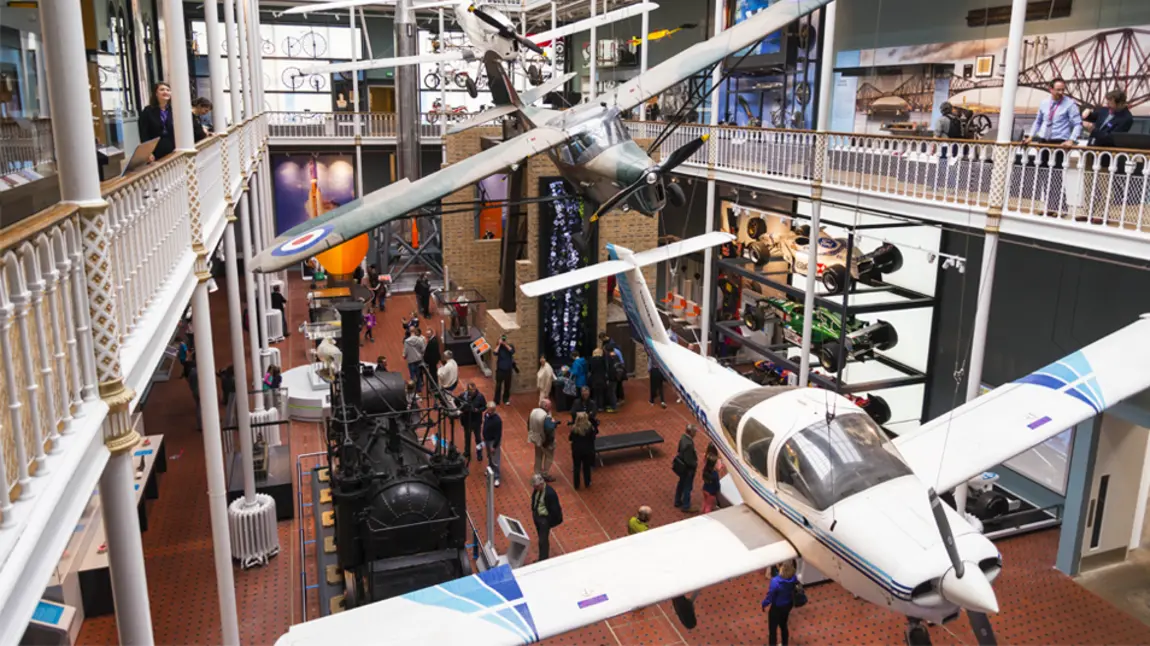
x,y
1039,605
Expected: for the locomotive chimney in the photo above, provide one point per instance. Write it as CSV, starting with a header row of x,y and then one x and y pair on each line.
x,y
350,316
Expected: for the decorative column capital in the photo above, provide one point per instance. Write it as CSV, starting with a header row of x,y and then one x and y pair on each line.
x,y
119,435
203,274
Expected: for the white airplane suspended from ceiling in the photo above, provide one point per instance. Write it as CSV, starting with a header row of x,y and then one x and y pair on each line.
x,y
819,480
487,30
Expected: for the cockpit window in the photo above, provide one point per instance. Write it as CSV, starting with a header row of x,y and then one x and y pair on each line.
x,y
731,412
755,444
830,461
592,137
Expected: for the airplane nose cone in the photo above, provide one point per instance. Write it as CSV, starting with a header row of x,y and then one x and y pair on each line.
x,y
972,591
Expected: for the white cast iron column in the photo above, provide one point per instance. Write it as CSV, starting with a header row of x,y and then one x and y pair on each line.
x,y
66,67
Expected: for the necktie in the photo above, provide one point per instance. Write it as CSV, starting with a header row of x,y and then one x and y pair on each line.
x,y
1050,118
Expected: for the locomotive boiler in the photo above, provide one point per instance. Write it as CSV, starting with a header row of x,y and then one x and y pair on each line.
x,y
400,510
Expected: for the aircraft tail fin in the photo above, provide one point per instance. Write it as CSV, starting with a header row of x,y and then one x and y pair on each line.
x,y
637,300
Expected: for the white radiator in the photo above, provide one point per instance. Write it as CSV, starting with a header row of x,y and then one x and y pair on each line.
x,y
268,414
253,529
275,326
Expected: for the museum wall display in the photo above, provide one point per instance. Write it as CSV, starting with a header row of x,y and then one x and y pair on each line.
x,y
288,48
893,23
898,89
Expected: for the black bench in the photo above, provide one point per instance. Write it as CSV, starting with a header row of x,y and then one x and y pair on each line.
x,y
632,440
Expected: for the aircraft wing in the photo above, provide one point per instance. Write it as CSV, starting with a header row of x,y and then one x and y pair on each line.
x,y
505,606
596,21
1012,418
380,63
700,56
396,200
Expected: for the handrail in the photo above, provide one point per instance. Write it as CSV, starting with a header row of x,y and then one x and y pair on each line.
x,y
28,228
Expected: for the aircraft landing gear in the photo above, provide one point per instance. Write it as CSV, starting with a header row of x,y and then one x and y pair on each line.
x,y
916,633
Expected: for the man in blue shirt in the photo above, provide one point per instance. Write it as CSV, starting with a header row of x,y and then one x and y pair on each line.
x,y
1058,121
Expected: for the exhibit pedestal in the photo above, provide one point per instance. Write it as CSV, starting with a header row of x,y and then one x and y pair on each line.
x,y
460,346
277,483
309,396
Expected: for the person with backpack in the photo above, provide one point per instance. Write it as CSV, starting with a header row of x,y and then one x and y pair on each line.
x,y
784,593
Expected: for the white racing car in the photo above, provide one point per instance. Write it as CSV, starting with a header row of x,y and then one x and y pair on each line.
x,y
791,246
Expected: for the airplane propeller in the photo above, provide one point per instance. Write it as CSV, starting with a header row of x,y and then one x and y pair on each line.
x,y
506,31
961,585
652,175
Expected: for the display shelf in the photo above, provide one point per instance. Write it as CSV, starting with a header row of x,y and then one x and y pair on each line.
x,y
909,299
777,353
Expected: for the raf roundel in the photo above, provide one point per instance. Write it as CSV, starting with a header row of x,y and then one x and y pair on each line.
x,y
303,241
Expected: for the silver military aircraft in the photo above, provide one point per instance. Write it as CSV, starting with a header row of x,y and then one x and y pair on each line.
x,y
589,143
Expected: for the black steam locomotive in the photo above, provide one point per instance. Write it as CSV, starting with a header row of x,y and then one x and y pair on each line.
x,y
400,510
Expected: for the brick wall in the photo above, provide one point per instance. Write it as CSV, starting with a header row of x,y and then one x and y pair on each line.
x,y
470,262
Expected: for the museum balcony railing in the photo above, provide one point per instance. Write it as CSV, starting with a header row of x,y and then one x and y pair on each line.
x,y
1095,198
25,144
341,125
65,272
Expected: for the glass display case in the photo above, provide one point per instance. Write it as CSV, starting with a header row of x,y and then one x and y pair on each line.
x,y
463,309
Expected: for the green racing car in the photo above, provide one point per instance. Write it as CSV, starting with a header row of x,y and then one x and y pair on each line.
x,y
861,338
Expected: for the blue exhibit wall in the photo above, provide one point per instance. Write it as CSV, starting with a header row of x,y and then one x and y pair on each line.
x,y
865,24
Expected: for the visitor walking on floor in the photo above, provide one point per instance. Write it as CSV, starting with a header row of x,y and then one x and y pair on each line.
x,y
431,352
582,439
538,423
544,379
579,370
504,366
279,303
448,373
423,294
546,512
781,598
492,439
604,397
712,474
413,347
368,327
585,404
472,403
684,465
656,377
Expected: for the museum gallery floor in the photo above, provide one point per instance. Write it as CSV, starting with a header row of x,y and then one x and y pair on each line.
x,y
1039,604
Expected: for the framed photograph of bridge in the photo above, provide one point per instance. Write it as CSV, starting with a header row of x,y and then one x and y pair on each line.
x,y
984,66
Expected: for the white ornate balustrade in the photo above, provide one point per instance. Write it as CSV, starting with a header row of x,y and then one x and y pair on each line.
x,y
1093,198
339,127
51,449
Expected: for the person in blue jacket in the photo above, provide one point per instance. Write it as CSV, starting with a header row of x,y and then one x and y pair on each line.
x,y
579,370
781,598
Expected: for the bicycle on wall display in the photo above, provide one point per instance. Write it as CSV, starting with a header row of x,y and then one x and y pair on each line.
x,y
452,114
309,45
